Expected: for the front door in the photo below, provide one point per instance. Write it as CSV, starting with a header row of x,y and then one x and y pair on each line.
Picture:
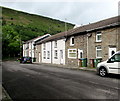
x,y
111,51
61,57
80,54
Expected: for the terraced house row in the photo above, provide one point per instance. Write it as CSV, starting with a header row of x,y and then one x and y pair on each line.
x,y
81,46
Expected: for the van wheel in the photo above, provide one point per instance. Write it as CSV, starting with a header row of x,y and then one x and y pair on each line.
x,y
102,72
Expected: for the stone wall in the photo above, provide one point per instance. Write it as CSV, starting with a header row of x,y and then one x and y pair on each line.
x,y
80,42
109,40
87,43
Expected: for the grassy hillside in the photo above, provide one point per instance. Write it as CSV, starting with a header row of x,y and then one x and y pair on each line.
x,y
18,26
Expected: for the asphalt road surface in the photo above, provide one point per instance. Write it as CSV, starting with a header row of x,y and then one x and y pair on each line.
x,y
32,81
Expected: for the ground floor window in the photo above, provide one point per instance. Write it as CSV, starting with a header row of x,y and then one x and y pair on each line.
x,y
44,54
55,54
48,54
98,52
72,53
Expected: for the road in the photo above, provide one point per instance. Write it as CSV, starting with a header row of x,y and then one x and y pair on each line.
x,y
32,81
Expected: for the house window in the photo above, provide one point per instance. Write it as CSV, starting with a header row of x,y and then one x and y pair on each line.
x,y
98,52
72,41
98,37
55,54
72,53
44,54
35,47
44,46
27,46
48,54
55,45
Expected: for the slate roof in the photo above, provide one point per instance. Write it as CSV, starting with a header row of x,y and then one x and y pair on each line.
x,y
37,38
85,28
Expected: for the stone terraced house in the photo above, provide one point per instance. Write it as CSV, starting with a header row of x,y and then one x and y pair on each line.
x,y
92,42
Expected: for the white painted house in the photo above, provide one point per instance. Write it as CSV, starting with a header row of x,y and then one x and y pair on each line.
x,y
28,46
46,52
53,50
58,51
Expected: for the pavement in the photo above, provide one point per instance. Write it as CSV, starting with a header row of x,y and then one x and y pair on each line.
x,y
69,67
5,95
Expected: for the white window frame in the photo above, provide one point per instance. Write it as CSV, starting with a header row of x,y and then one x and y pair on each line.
x,y
55,44
44,46
72,52
27,46
55,54
71,43
97,51
36,47
48,54
44,54
32,45
98,34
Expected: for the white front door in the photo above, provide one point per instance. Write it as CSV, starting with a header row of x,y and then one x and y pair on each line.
x,y
39,57
80,54
61,57
111,51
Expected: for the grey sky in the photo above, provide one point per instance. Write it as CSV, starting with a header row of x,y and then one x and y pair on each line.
x,y
74,12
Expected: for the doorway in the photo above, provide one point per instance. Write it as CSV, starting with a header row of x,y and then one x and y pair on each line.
x,y
39,58
61,57
111,51
80,54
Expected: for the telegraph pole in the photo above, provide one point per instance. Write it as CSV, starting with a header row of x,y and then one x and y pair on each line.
x,y
65,27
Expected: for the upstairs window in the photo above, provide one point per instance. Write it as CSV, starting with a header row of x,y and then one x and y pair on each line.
x,y
55,45
72,41
27,46
98,37
98,52
35,47
44,54
44,46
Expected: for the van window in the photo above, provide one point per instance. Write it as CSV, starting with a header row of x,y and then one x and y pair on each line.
x,y
115,58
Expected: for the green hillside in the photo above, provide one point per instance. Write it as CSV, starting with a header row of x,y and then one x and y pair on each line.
x,y
18,26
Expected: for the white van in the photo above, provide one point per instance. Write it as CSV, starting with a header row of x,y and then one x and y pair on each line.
x,y
112,65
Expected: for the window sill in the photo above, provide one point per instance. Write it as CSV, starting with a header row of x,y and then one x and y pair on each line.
x,y
72,57
98,57
98,41
72,45
55,58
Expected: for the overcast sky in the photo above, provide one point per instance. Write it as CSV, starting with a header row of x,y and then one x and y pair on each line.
x,y
73,11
